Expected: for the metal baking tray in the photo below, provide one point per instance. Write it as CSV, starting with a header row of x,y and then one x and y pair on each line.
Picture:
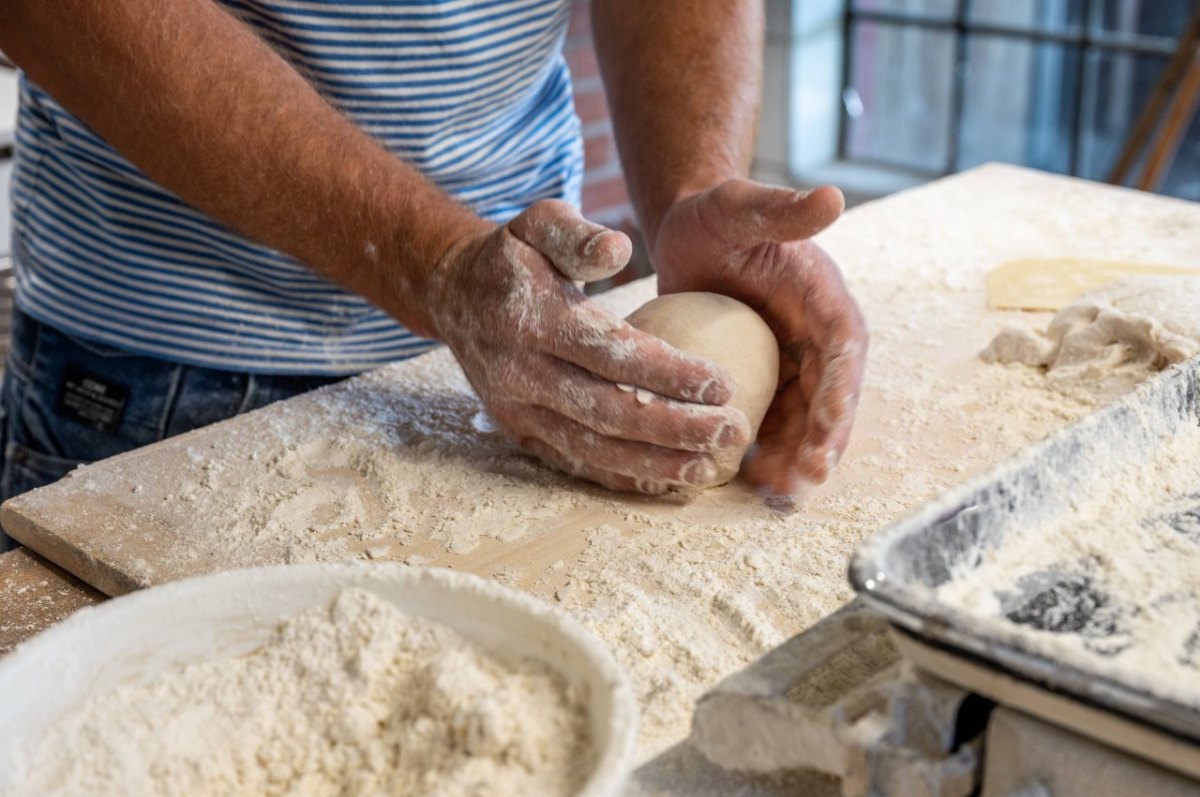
x,y
897,570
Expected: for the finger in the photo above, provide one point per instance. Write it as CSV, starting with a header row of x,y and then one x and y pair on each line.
x,y
835,397
817,461
612,481
816,291
831,366
603,344
794,449
833,360
772,464
809,371
584,448
578,248
631,413
812,444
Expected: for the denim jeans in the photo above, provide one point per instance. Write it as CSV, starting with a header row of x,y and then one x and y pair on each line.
x,y
68,401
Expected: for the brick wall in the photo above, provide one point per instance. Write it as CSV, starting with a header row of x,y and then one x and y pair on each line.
x,y
605,198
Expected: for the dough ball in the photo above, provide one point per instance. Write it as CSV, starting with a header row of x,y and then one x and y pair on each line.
x,y
727,332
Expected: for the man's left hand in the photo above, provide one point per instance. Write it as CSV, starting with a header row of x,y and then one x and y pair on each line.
x,y
750,241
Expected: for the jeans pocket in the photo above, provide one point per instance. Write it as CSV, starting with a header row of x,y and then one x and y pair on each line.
x,y
88,401
26,469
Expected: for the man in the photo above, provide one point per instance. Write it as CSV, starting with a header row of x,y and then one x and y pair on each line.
x,y
221,203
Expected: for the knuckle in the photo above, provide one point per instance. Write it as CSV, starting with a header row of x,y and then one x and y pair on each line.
x,y
697,472
587,325
515,254
612,481
546,209
734,432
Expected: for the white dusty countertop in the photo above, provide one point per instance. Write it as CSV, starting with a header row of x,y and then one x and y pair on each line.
x,y
391,465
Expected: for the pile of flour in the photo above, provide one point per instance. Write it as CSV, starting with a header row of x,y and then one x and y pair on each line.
x,y
1105,342
355,698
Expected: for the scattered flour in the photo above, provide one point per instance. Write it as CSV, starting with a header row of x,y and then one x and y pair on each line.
x,y
1110,339
355,698
33,596
1113,586
683,590
684,593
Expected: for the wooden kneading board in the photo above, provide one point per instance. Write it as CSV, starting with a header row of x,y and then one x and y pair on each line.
x,y
140,519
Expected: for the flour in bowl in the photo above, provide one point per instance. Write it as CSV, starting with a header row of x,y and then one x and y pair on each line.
x,y
354,698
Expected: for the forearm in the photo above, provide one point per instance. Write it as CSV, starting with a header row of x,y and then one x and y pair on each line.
x,y
207,110
683,80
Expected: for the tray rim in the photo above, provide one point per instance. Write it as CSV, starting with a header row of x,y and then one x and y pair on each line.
x,y
958,629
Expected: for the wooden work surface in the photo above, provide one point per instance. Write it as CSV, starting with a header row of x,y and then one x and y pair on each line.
x,y
34,594
122,524
276,485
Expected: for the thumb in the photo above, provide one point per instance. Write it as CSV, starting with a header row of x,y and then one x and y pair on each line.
x,y
778,214
578,248
803,214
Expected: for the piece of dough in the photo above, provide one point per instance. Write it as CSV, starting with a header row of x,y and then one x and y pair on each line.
x,y
1053,283
1112,338
727,332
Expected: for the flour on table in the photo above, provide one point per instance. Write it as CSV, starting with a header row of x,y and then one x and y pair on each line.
x,y
44,596
1110,339
355,698
684,593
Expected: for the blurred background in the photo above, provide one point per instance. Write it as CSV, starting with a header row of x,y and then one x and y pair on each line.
x,y
877,94
880,95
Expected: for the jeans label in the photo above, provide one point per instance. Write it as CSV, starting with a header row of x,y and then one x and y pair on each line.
x,y
91,400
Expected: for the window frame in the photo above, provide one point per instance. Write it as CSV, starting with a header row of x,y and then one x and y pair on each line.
x,y
1087,38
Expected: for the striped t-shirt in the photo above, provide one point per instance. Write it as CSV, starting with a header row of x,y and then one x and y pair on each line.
x,y
473,93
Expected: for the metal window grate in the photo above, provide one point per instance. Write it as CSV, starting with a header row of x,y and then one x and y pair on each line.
x,y
1083,40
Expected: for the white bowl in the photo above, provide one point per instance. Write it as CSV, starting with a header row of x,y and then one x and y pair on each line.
x,y
136,637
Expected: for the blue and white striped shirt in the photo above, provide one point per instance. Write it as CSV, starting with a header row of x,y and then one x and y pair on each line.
x,y
474,93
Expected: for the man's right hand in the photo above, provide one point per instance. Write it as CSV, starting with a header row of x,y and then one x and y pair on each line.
x,y
547,362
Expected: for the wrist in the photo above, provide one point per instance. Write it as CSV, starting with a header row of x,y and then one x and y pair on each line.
x,y
457,238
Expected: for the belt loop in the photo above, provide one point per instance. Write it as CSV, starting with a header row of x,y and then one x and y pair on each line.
x,y
171,401
36,348
249,395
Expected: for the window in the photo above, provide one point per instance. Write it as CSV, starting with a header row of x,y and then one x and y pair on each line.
x,y
930,87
